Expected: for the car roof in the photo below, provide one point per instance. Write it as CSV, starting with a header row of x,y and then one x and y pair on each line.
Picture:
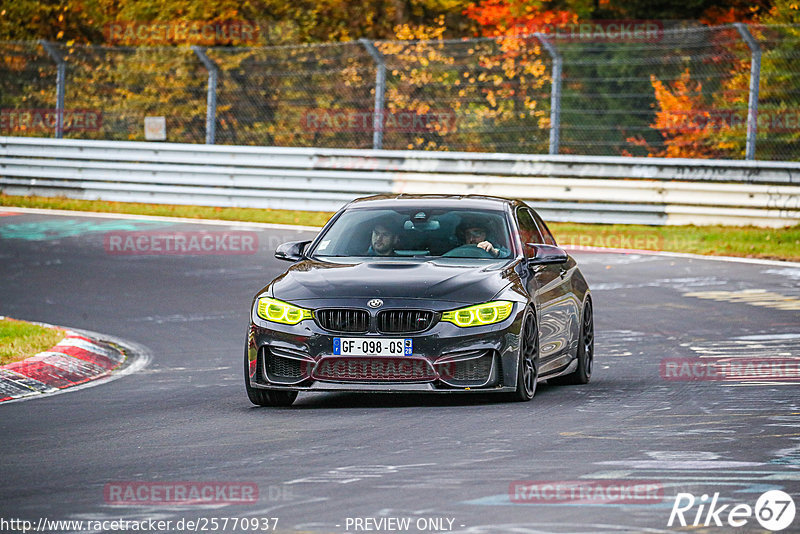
x,y
444,201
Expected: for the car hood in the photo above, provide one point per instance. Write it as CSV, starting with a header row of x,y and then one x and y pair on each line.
x,y
442,279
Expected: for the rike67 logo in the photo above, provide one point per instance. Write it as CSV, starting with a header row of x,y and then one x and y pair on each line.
x,y
774,510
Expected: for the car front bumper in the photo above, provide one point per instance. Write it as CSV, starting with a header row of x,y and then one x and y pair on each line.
x,y
446,359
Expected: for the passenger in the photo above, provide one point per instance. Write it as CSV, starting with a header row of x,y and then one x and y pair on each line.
x,y
384,239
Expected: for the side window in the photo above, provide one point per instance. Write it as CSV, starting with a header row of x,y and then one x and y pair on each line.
x,y
529,232
548,237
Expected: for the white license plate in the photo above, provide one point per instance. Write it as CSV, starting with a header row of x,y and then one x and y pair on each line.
x,y
374,346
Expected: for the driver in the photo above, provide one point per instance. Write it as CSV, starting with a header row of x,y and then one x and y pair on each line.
x,y
384,239
474,232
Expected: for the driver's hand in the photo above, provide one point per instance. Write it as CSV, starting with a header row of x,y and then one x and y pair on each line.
x,y
488,247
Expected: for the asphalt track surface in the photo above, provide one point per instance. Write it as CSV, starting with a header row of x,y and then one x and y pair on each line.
x,y
334,456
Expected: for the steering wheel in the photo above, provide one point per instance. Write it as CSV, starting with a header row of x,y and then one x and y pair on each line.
x,y
467,251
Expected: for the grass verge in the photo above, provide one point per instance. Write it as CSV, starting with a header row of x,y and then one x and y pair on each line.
x,y
20,339
305,218
744,241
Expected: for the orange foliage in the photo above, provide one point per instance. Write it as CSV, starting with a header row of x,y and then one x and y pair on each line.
x,y
517,17
718,15
684,120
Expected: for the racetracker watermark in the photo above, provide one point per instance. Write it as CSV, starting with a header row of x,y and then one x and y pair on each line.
x,y
774,510
606,31
380,368
767,120
46,120
643,240
179,493
156,243
730,369
150,525
586,491
358,120
197,32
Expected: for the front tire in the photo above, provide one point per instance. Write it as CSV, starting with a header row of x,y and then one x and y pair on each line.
x,y
528,361
583,373
264,397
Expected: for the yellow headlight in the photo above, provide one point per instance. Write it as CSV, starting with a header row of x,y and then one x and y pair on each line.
x,y
480,314
278,311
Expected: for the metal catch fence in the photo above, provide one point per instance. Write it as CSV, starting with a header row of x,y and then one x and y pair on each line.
x,y
724,92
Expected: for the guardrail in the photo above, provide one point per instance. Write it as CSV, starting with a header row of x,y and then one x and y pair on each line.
x,y
562,188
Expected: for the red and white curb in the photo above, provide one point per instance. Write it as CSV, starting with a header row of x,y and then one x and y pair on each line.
x,y
80,359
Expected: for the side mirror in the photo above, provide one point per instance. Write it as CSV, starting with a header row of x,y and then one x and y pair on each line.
x,y
291,251
544,254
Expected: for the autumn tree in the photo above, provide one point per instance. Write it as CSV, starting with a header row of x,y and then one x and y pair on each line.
x,y
683,118
693,122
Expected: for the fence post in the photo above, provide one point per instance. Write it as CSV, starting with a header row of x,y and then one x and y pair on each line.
x,y
555,93
211,100
755,78
61,76
380,90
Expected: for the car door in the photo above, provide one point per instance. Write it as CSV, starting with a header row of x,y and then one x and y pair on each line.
x,y
572,305
550,289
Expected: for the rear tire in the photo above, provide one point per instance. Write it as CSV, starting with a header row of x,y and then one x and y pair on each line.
x,y
528,361
264,397
583,373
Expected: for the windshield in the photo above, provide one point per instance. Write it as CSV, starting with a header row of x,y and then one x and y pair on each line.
x,y
417,232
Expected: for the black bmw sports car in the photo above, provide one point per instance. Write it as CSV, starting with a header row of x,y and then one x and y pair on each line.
x,y
439,294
